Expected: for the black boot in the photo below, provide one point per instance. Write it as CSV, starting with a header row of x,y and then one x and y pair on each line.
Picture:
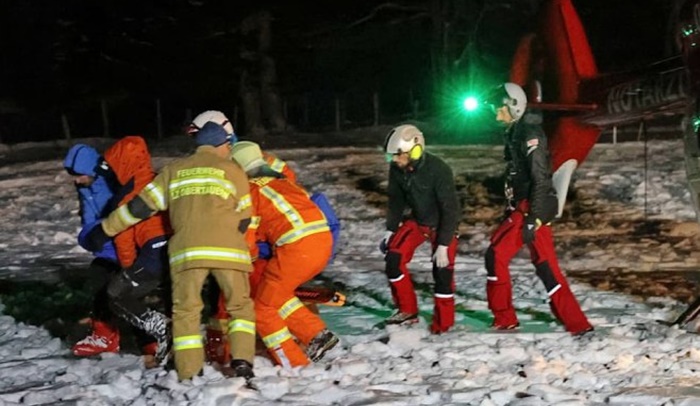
x,y
243,369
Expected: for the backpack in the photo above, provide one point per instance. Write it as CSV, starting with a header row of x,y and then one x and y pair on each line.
x,y
333,223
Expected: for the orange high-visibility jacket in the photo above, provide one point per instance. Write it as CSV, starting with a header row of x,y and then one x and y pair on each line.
x,y
280,166
131,163
282,213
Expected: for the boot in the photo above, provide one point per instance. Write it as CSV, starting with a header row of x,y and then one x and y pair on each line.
x,y
321,344
217,347
149,355
157,325
104,338
402,318
242,369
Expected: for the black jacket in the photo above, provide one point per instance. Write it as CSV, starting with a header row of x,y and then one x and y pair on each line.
x,y
427,188
529,167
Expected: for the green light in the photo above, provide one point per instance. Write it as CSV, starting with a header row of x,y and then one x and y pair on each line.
x,y
470,103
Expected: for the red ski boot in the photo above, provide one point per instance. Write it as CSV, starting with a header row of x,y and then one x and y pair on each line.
x,y
104,338
217,346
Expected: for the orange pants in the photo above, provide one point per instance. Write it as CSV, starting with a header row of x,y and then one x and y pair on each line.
x,y
280,314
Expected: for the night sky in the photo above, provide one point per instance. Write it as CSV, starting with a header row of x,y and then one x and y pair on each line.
x,y
64,56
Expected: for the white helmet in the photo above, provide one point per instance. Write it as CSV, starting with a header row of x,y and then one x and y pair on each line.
x,y
515,100
210,115
405,138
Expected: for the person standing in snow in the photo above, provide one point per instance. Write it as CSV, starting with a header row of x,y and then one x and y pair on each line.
x,y
424,184
285,217
95,194
208,200
532,205
142,253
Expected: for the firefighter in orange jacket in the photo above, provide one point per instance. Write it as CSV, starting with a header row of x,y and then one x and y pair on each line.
x,y
286,218
208,201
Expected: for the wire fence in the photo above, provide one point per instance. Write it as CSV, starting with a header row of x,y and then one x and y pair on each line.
x,y
319,112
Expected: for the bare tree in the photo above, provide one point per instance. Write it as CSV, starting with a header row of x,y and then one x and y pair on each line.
x,y
262,104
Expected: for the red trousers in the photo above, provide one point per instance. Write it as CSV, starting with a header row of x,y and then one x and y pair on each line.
x,y
505,244
402,246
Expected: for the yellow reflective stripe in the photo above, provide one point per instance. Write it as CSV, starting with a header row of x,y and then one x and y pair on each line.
x,y
303,231
277,165
241,326
210,253
290,307
277,338
187,342
198,185
157,196
254,222
125,215
283,206
245,202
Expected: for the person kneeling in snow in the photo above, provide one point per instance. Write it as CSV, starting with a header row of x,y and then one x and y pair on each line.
x,y
285,217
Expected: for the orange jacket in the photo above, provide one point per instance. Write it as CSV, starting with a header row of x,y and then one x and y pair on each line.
x,y
282,213
131,163
280,166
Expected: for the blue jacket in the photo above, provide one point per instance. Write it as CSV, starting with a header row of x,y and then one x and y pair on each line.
x,y
94,199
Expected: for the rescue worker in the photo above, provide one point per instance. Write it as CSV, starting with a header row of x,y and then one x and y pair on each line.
x,y
285,217
216,116
216,346
82,162
142,253
532,205
423,183
208,201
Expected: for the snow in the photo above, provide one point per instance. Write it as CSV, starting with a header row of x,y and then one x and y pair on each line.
x,y
629,359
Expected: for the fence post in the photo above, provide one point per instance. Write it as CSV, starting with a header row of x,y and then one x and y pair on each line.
x,y
337,114
65,125
105,118
285,112
159,120
375,107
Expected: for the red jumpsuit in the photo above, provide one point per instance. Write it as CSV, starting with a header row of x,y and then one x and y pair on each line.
x,y
529,188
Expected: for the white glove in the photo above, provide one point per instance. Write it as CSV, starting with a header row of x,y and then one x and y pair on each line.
x,y
384,244
440,256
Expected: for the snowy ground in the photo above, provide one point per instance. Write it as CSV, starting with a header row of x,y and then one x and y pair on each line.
x,y
620,217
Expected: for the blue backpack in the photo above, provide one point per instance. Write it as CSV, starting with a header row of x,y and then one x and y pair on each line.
x,y
333,222
265,251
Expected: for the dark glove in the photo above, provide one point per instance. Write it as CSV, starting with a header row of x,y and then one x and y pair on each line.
x,y
384,244
95,239
264,250
529,228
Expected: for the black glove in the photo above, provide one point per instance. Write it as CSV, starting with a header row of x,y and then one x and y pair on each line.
x,y
95,239
384,244
530,226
